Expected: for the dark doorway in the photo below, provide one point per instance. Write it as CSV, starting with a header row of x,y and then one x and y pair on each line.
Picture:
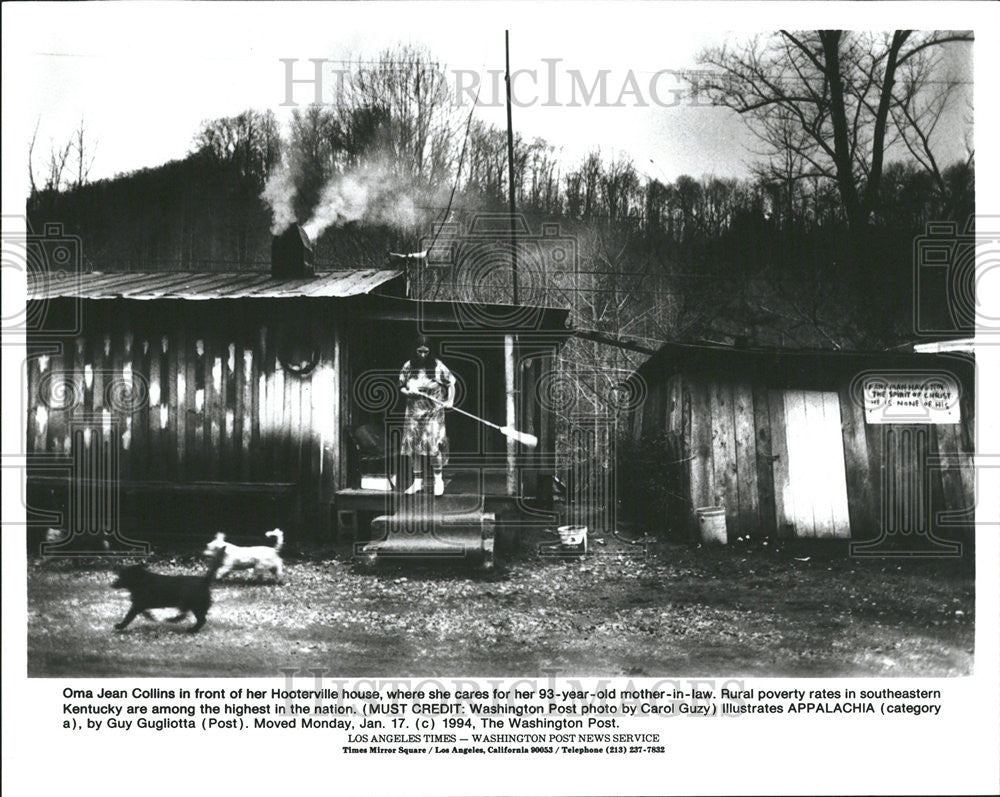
x,y
378,350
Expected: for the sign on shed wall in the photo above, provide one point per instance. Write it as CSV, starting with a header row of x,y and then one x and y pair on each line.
x,y
912,397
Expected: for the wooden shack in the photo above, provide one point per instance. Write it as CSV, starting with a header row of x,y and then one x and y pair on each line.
x,y
815,444
182,396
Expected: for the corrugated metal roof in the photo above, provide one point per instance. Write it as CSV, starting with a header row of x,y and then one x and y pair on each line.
x,y
201,285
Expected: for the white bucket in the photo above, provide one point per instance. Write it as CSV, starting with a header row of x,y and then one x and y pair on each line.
x,y
382,484
712,524
571,536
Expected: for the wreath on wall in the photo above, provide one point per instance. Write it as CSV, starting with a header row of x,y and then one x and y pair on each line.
x,y
297,352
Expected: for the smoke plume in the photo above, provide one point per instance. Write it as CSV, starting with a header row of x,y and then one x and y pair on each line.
x,y
371,192
279,193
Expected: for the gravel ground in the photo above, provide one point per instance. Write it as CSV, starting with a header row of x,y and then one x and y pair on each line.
x,y
659,610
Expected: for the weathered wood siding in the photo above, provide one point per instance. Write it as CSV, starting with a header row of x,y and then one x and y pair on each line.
x,y
193,393
744,437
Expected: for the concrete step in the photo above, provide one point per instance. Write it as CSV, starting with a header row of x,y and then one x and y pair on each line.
x,y
418,533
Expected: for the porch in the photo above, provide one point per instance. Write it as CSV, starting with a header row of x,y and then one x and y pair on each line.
x,y
498,369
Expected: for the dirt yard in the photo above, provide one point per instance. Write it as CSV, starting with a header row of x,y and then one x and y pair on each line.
x,y
659,610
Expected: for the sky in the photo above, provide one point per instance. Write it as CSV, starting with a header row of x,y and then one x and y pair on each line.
x,y
143,76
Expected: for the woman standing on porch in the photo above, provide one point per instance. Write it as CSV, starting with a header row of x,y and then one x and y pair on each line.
x,y
429,388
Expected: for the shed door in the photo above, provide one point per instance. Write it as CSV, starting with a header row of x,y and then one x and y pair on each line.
x,y
814,490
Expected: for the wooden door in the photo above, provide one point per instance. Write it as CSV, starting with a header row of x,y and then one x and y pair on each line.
x,y
813,487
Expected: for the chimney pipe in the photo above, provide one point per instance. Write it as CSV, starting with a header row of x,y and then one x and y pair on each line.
x,y
292,254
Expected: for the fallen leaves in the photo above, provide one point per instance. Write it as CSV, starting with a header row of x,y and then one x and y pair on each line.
x,y
610,613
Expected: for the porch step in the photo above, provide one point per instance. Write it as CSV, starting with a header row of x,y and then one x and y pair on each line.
x,y
390,503
415,532
427,503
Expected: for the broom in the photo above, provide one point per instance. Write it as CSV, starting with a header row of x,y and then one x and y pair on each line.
x,y
523,438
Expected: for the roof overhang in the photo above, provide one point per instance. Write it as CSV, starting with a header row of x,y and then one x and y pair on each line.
x,y
471,317
198,286
674,357
362,293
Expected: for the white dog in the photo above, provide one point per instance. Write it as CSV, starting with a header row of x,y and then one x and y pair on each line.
x,y
259,557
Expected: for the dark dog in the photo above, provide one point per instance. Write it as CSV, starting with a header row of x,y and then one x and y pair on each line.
x,y
155,591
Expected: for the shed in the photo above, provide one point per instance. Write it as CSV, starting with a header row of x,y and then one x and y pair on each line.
x,y
816,444
151,393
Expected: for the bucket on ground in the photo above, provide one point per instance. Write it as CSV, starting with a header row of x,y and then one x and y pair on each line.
x,y
712,524
573,536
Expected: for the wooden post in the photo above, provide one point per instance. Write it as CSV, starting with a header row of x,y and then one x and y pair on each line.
x,y
508,373
529,421
510,183
345,406
327,408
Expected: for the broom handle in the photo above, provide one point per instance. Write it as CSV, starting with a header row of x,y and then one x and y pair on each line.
x,y
456,409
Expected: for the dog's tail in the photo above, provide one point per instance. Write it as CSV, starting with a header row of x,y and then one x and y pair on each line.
x,y
279,538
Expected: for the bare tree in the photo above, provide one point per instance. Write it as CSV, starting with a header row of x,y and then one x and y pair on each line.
x,y
59,160
831,103
31,159
250,140
487,162
312,155
619,188
399,107
57,165
85,154
241,151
